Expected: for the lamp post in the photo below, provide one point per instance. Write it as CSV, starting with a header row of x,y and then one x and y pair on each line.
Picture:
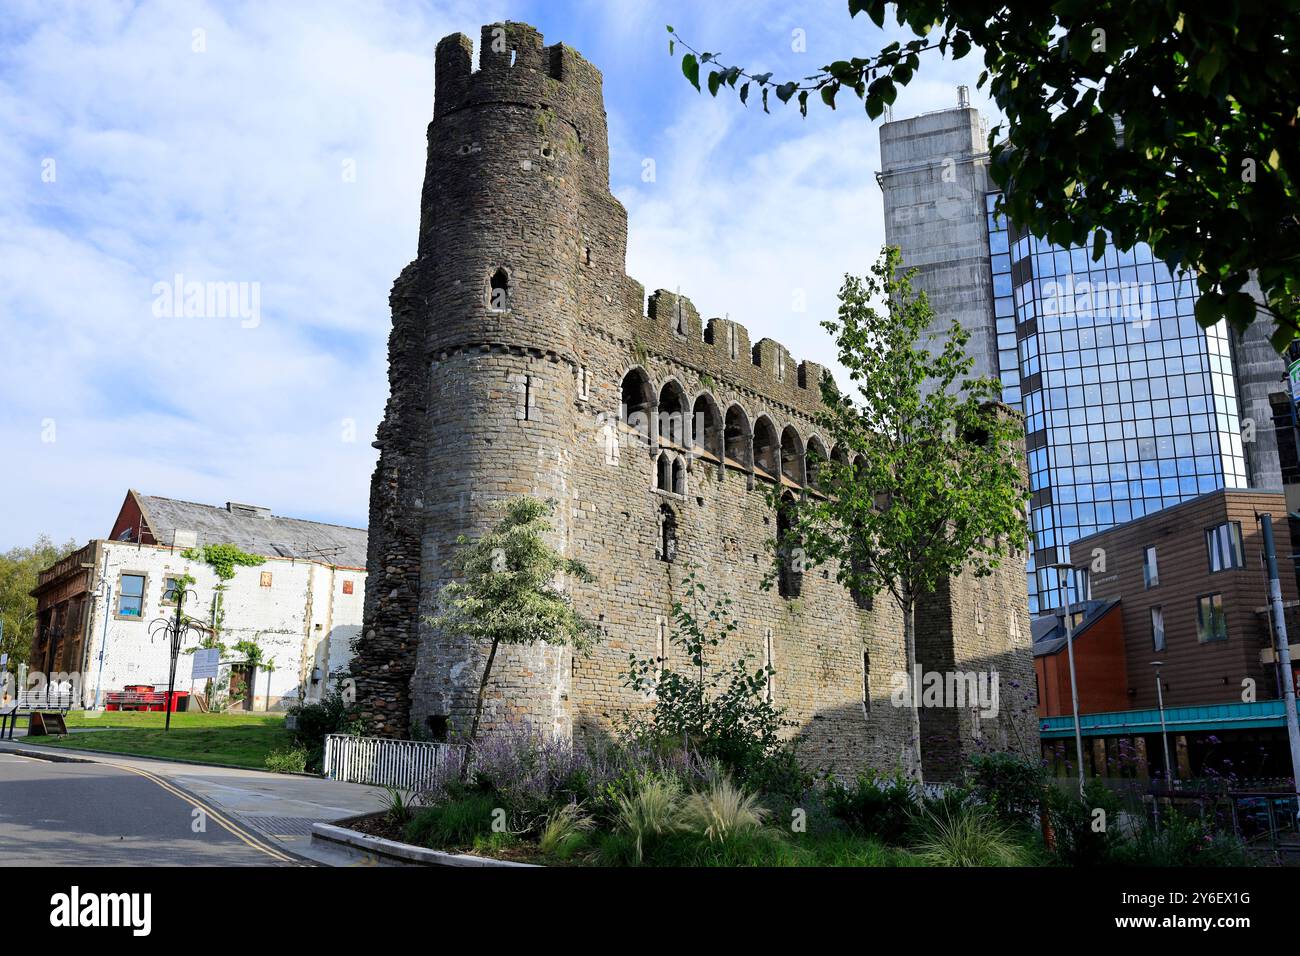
x,y
1164,735
174,630
1069,651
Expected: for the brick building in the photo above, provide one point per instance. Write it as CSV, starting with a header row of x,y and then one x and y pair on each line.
x,y
1185,587
302,606
523,360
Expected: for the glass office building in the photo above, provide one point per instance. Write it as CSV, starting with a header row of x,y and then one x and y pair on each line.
x,y
1130,406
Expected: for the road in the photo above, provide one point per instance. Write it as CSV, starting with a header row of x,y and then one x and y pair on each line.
x,y
94,814
112,809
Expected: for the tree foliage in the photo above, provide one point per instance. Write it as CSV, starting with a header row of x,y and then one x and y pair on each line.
x,y
507,589
19,567
714,706
926,479
1205,171
931,481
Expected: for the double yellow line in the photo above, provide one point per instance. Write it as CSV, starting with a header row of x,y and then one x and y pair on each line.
x,y
209,811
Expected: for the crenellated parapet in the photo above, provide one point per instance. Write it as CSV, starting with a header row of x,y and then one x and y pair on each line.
x,y
516,68
720,348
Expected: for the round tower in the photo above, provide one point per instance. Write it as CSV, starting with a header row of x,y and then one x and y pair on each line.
x,y
516,223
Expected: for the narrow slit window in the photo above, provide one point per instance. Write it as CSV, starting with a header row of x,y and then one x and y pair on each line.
x,y
499,290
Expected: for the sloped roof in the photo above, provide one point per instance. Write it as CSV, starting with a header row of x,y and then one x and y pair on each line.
x,y
253,529
1049,629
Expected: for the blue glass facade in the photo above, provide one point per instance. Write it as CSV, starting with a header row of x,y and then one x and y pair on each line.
x,y
1129,405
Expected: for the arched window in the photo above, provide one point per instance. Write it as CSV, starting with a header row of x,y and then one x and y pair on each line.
x,y
813,461
767,447
673,414
499,290
706,427
667,533
664,472
739,446
792,455
679,476
789,551
637,402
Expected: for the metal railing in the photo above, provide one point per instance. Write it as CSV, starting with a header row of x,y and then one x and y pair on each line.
x,y
405,764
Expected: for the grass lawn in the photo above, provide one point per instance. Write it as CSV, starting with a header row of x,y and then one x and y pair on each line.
x,y
242,739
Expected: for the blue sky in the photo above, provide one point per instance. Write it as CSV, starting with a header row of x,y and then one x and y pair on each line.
x,y
127,156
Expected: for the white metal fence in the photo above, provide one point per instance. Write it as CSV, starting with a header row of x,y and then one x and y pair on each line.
x,y
406,764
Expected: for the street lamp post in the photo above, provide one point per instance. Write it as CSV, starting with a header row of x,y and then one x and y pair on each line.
x,y
1069,651
1164,734
175,631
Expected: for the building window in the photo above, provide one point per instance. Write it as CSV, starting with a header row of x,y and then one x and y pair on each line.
x,y
866,682
664,472
170,585
770,668
499,290
667,534
1211,623
130,595
1224,546
1157,629
789,550
1150,570
266,579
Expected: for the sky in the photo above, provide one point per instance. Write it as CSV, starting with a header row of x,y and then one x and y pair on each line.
x,y
280,147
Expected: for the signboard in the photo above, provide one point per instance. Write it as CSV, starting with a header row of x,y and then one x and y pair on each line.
x,y
206,662
1293,373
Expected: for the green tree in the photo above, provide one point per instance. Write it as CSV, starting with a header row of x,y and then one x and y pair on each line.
x,y
506,591
927,478
19,567
1205,171
723,712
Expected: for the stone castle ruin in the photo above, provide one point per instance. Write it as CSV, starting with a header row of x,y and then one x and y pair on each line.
x,y
524,361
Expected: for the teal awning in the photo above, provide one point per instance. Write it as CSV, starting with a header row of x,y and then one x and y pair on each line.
x,y
1260,713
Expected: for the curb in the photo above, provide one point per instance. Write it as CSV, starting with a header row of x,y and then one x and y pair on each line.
x,y
364,845
23,749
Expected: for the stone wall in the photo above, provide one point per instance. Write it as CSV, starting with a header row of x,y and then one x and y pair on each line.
x,y
514,331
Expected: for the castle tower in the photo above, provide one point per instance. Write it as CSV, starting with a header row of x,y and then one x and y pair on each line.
x,y
523,360
516,221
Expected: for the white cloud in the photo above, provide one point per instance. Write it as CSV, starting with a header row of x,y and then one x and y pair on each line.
x,y
227,165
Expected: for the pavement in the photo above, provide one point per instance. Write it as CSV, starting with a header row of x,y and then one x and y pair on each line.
x,y
110,809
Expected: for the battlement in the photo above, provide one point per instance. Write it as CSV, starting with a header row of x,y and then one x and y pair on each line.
x,y
723,347
516,68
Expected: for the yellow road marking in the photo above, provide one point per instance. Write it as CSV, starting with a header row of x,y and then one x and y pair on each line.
x,y
208,810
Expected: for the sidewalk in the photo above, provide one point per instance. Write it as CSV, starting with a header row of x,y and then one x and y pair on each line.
x,y
282,807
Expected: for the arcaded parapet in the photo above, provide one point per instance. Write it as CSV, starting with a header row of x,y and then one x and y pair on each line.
x,y
526,361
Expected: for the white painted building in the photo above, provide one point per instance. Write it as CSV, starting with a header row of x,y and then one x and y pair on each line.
x,y
302,606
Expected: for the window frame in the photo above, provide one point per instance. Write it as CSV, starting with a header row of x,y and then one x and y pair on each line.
x,y
1158,610
1150,580
1236,558
121,592
1223,613
162,601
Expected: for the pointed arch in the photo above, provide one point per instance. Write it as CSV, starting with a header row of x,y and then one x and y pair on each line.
x,y
674,414
679,476
637,402
706,427
767,447
792,463
814,458
663,472
739,438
